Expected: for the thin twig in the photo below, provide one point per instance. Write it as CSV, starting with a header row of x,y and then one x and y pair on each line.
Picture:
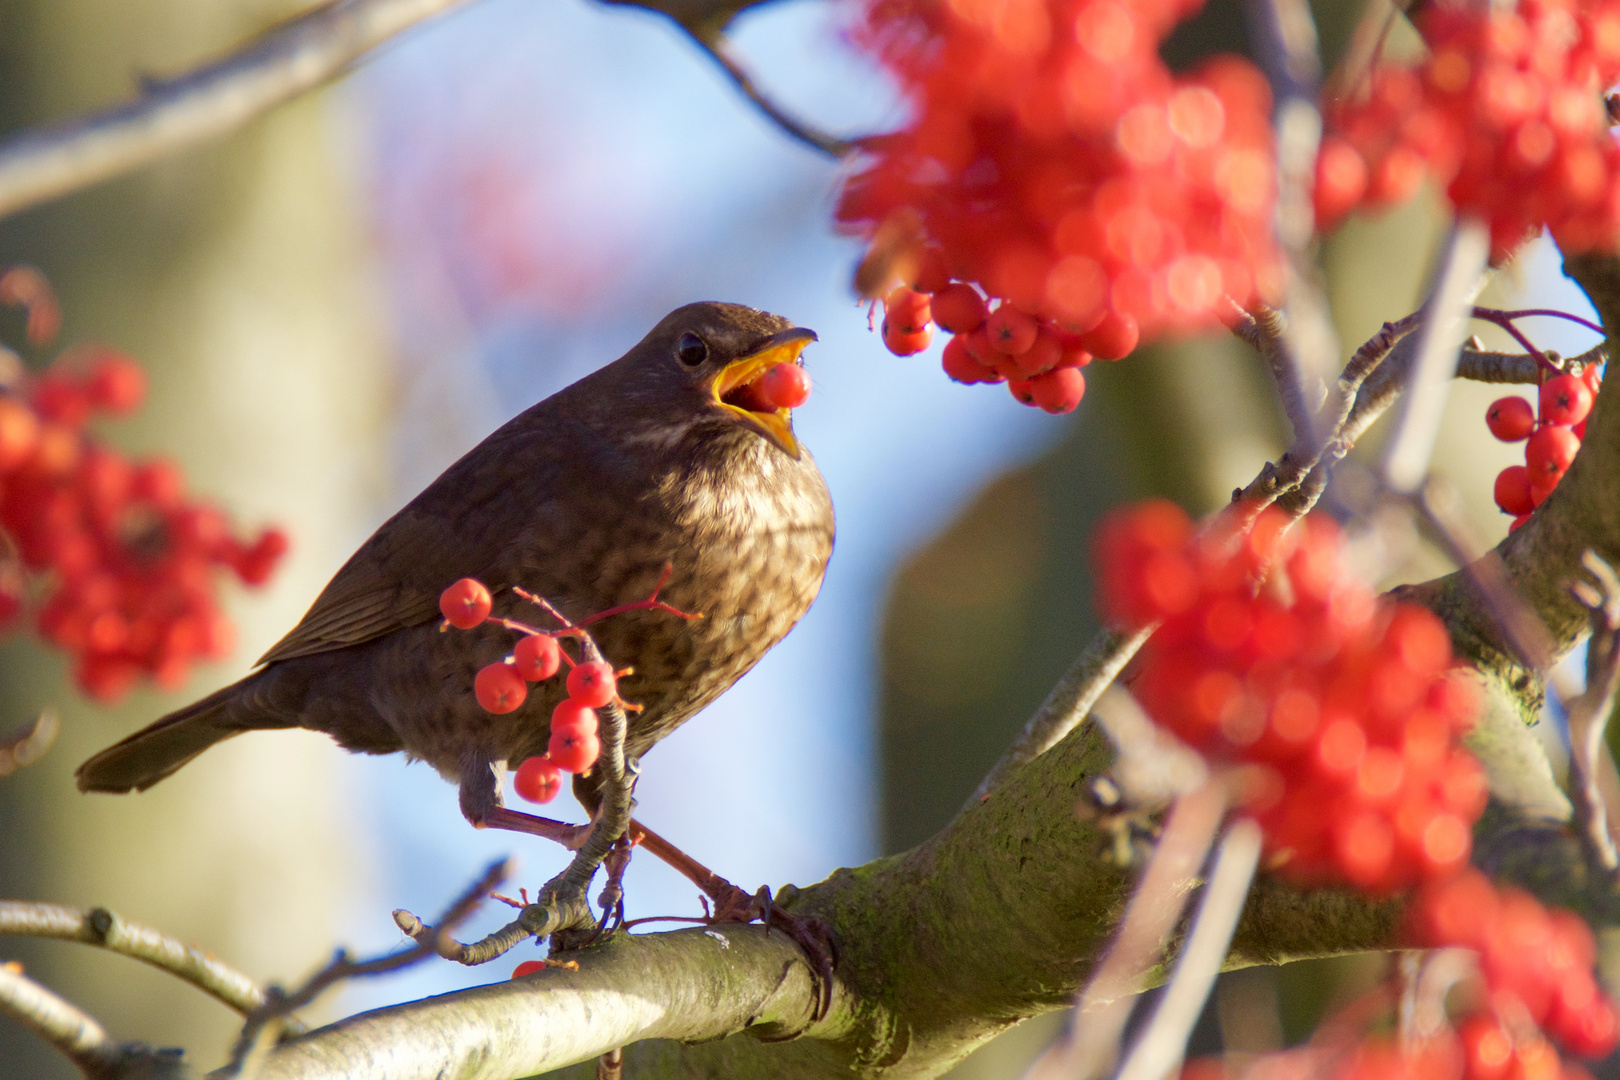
x,y
1103,1006
1589,711
1066,705
28,743
1164,1042
100,927
77,1035
1406,459
209,101
718,48
1478,365
263,1025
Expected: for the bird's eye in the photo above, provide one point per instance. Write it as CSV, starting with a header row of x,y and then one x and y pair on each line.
x,y
692,350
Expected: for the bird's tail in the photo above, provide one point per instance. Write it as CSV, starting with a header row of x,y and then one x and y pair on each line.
x,y
159,749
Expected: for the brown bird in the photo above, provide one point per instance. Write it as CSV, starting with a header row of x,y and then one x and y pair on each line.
x,y
663,458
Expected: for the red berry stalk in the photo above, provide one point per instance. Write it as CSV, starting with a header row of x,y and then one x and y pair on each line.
x,y
109,558
502,687
1270,653
1055,168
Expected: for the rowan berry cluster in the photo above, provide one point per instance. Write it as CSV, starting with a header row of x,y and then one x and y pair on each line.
x,y
108,557
1536,965
1506,114
503,686
1534,993
1055,165
1270,653
1551,433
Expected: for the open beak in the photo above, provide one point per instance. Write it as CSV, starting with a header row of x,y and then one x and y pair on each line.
x,y
731,386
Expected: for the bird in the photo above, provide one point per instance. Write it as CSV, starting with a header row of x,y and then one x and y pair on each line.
x,y
665,461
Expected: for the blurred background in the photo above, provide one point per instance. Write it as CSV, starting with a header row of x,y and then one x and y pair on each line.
x,y
337,301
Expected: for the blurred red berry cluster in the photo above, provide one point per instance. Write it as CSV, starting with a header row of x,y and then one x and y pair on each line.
x,y
1551,434
1055,165
1536,965
503,686
109,557
1506,114
1271,653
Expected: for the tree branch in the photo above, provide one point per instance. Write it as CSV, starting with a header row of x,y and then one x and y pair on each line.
x,y
100,927
28,743
172,114
77,1035
687,984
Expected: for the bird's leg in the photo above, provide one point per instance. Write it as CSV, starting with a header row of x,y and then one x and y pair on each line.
x,y
731,904
561,904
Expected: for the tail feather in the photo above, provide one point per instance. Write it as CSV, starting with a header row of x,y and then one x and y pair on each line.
x,y
157,750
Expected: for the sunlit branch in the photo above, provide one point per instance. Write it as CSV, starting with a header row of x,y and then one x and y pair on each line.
x,y
100,927
172,114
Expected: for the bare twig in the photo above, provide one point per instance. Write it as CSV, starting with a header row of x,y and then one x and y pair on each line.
x,y
718,47
1406,460
100,927
77,1035
1589,711
1479,365
172,114
1068,703
28,743
1283,35
265,1024
1163,1043
1100,1012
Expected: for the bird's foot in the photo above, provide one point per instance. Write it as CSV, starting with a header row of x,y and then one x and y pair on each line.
x,y
732,905
814,937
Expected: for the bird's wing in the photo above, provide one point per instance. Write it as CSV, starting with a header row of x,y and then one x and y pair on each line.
x,y
458,527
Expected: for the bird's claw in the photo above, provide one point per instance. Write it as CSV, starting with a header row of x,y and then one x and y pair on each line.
x,y
811,935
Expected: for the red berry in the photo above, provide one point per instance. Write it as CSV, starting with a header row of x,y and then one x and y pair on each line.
x,y
528,967
571,715
1011,331
907,311
255,565
1022,390
159,482
537,657
1041,357
592,684
19,432
1058,391
466,604
1510,419
1518,523
116,383
60,398
960,365
1341,180
931,275
537,780
959,308
785,386
1112,338
1565,399
499,688
1550,451
1513,489
573,749
906,344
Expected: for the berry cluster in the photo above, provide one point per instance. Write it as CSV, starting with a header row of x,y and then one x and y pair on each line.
x,y
503,686
1055,165
1536,965
1270,653
1506,114
1551,434
110,558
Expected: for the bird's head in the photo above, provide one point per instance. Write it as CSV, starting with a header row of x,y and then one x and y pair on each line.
x,y
707,361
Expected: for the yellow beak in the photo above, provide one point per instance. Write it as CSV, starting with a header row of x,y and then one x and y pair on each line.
x,y
783,348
